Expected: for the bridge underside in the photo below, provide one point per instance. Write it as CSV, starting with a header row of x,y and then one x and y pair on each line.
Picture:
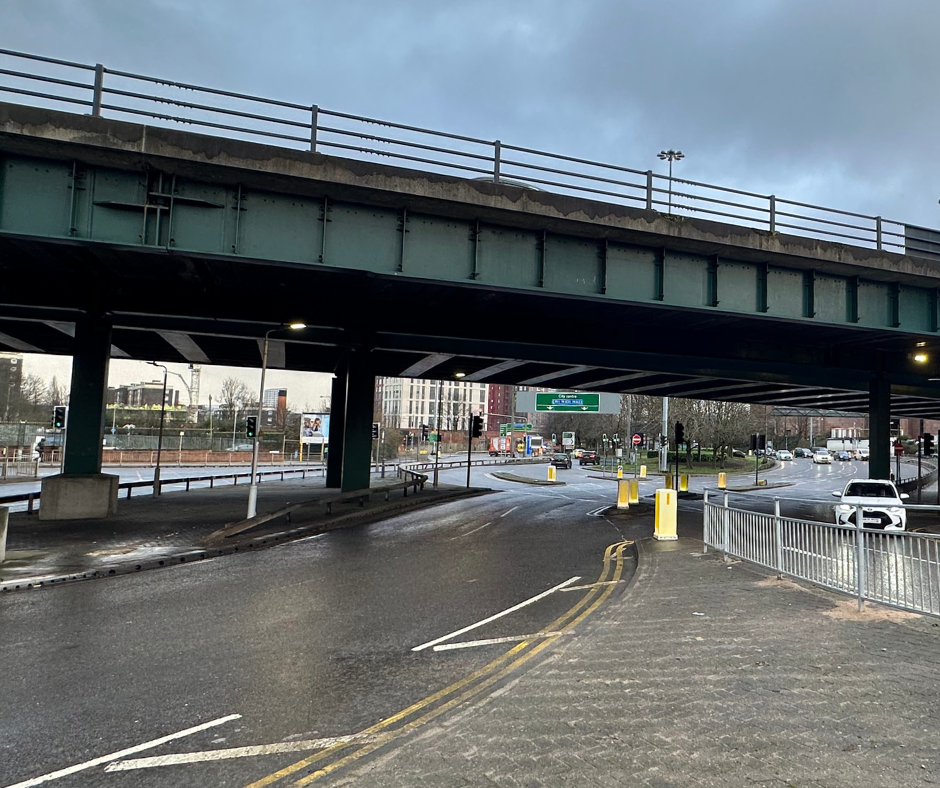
x,y
180,307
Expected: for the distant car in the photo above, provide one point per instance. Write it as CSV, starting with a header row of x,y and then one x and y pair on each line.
x,y
783,454
561,460
822,457
862,454
882,507
588,457
577,453
737,453
802,453
843,456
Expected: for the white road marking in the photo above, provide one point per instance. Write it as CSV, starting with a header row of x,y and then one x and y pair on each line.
x,y
599,512
460,536
510,511
505,612
122,753
593,585
494,641
233,752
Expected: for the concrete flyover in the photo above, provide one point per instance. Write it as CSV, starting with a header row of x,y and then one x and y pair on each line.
x,y
128,240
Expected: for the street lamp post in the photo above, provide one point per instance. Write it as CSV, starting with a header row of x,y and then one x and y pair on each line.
x,y
156,470
253,489
671,156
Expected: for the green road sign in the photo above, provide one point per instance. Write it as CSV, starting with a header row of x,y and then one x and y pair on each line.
x,y
567,403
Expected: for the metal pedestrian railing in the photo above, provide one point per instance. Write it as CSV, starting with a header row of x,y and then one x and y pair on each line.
x,y
897,568
97,90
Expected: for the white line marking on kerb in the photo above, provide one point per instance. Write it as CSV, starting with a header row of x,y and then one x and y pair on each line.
x,y
122,753
233,752
505,612
493,641
593,585
510,511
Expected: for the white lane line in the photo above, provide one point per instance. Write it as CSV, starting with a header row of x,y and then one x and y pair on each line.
x,y
593,585
122,753
505,612
494,641
510,511
233,752
460,536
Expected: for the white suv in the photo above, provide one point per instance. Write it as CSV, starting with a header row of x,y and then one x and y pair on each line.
x,y
882,507
822,456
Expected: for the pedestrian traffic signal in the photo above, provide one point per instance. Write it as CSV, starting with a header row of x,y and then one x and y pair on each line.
x,y
680,433
375,430
251,426
58,417
476,427
928,445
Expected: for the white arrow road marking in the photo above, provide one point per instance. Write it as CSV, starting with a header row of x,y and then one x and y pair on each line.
x,y
599,512
233,752
122,753
505,612
494,641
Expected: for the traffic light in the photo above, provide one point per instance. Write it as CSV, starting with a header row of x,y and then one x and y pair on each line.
x,y
58,417
251,426
895,425
424,432
476,427
928,445
375,430
680,433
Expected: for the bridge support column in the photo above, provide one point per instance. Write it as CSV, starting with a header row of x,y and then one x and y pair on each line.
x,y
879,428
357,435
82,492
334,460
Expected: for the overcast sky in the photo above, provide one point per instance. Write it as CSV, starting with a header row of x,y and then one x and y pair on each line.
x,y
825,101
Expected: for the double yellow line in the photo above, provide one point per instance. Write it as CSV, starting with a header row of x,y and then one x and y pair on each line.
x,y
463,690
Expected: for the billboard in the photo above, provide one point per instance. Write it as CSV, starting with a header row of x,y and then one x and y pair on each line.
x,y
315,428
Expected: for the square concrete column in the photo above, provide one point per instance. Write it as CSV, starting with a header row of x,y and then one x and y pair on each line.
x,y
334,460
879,428
82,491
357,435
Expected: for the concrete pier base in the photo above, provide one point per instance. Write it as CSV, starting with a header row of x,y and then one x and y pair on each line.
x,y
87,496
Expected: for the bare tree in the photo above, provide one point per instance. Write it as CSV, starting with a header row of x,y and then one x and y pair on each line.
x,y
234,395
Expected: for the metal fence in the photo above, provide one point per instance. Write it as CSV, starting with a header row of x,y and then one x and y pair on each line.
x,y
98,90
896,568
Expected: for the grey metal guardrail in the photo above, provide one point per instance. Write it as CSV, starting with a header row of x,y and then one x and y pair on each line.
x,y
897,568
97,90
30,498
411,467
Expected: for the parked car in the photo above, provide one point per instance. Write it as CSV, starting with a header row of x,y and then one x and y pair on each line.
x,y
783,454
882,506
843,456
561,460
588,457
822,456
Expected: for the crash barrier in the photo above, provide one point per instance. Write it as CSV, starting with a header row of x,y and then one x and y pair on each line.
x,y
32,498
441,466
896,568
413,481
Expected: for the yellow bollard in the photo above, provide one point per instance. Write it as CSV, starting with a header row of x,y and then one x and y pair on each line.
x,y
722,480
551,473
665,521
668,484
634,486
684,482
623,494
642,471
619,471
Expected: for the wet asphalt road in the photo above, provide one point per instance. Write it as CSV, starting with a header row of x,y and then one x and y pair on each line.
x,y
307,640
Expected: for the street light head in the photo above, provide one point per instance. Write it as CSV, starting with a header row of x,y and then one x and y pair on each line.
x,y
296,326
920,358
460,374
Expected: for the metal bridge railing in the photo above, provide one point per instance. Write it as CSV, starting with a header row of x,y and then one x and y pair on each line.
x,y
98,90
897,568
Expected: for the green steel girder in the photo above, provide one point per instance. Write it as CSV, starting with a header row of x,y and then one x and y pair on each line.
x,y
149,209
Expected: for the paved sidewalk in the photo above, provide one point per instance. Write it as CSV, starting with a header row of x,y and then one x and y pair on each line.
x,y
151,532
701,674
